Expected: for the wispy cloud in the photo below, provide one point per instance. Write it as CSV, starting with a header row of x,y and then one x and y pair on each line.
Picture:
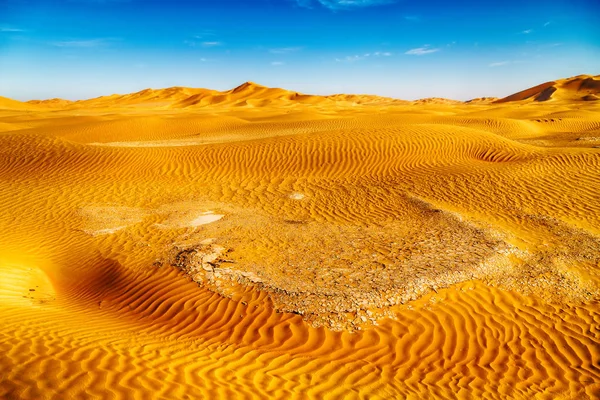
x,y
206,33
91,43
507,62
211,44
277,63
421,51
343,4
499,64
285,50
8,29
204,38
547,23
549,45
412,18
350,58
358,57
527,31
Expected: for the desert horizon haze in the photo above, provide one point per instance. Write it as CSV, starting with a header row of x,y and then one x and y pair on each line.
x,y
299,199
577,88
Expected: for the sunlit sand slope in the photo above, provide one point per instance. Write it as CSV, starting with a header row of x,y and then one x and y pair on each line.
x,y
582,87
10,104
268,245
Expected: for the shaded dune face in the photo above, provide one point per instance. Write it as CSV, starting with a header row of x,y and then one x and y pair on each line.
x,y
582,87
528,93
300,247
131,333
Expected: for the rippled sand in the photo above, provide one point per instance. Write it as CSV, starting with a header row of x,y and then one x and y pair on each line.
x,y
262,243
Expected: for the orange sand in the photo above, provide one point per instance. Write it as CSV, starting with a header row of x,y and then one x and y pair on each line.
x,y
258,243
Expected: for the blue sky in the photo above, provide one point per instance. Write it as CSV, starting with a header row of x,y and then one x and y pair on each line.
x,y
406,49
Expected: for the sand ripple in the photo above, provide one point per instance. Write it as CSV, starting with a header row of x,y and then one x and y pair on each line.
x,y
459,243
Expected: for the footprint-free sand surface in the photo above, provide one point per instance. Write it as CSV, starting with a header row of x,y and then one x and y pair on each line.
x,y
261,243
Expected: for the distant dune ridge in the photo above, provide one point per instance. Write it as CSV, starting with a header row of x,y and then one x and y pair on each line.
x,y
249,94
51,102
10,104
261,243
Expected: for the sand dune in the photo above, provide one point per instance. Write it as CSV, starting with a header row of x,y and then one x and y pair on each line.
x,y
56,102
582,87
436,100
250,94
10,104
260,243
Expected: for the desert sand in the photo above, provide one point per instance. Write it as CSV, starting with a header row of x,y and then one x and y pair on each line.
x,y
262,243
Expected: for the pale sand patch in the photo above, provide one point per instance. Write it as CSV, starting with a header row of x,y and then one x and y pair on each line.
x,y
106,220
155,143
201,141
297,196
188,219
108,231
206,218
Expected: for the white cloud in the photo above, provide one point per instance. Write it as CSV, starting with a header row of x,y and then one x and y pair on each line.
x,y
550,45
351,58
277,63
343,4
527,31
204,34
421,51
364,56
196,40
507,62
80,43
7,29
285,50
547,23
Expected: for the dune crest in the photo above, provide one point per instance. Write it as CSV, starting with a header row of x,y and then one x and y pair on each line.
x,y
250,94
581,87
10,104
